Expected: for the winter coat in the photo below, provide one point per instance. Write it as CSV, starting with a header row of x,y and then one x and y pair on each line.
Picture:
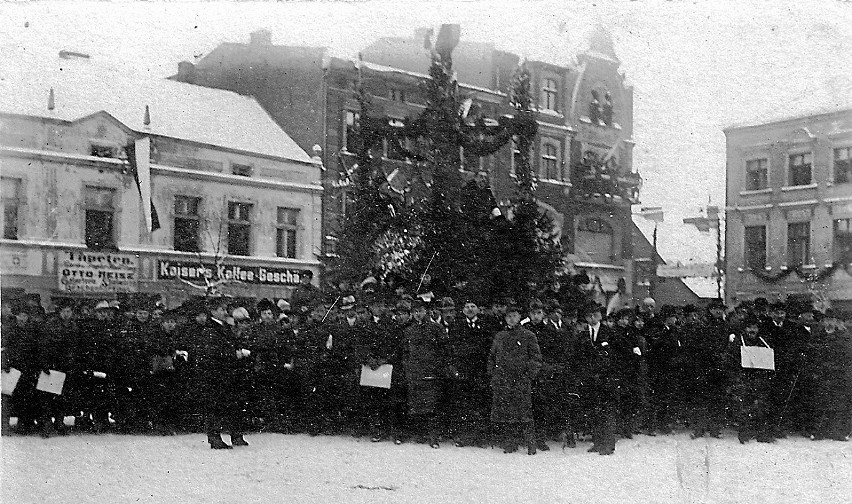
x,y
424,364
514,362
56,345
216,364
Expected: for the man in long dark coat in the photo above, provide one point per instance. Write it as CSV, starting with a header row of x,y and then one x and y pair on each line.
x,y
468,392
599,389
514,362
424,364
55,353
217,363
21,351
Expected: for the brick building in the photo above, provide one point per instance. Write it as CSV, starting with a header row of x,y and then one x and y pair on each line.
x,y
789,209
236,197
583,110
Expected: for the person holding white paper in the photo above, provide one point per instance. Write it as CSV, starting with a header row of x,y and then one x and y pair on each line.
x,y
55,354
752,388
20,351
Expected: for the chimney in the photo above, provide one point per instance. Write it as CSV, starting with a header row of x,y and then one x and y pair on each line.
x,y
186,72
261,38
147,119
51,101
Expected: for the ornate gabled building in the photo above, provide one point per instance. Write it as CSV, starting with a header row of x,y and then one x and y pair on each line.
x,y
582,153
789,209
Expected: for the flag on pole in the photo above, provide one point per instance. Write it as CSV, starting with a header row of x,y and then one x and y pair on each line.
x,y
139,156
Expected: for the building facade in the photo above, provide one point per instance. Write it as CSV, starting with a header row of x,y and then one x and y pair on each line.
x,y
789,210
584,111
238,202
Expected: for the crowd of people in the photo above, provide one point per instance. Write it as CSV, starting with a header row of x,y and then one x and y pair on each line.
x,y
464,371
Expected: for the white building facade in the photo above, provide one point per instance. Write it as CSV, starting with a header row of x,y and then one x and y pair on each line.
x,y
238,202
789,213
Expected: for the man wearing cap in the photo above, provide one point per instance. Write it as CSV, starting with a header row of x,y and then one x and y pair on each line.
x,y
273,368
319,370
707,350
513,362
21,351
752,388
305,295
549,387
134,370
665,355
378,347
96,358
346,350
217,362
831,358
163,387
55,348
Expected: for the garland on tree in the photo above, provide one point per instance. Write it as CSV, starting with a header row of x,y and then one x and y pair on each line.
x,y
442,220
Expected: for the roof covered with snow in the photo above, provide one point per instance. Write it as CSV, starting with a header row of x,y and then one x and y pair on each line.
x,y
678,242
182,111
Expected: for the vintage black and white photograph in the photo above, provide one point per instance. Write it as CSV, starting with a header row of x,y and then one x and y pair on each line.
x,y
577,251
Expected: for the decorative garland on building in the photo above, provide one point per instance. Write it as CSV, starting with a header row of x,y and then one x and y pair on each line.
x,y
804,274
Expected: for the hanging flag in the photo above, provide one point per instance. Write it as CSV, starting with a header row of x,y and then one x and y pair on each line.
x,y
139,156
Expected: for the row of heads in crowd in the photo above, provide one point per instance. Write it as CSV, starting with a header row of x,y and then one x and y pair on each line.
x,y
244,311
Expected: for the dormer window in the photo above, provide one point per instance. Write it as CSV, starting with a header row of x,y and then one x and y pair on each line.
x,y
103,150
241,170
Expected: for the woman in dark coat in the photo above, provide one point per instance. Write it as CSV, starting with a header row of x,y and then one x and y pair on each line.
x,y
514,362
424,364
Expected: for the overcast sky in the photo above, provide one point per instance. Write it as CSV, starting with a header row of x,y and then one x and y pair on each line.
x,y
697,67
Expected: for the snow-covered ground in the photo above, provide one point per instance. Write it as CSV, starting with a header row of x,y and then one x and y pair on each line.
x,y
300,469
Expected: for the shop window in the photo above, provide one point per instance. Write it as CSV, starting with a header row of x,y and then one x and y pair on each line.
x,y
186,229
756,175
843,241
843,165
100,213
798,243
800,169
11,205
239,228
288,221
755,247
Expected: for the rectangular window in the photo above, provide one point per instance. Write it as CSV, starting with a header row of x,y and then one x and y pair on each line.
x,y
103,151
11,204
755,247
843,165
843,241
800,169
756,175
549,94
288,222
550,162
242,170
349,139
798,243
100,208
516,155
186,224
397,95
239,228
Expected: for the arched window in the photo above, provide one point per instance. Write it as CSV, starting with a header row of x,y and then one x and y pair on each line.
x,y
595,240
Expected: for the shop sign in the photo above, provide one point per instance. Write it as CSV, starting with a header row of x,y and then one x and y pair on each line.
x,y
87,271
195,272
